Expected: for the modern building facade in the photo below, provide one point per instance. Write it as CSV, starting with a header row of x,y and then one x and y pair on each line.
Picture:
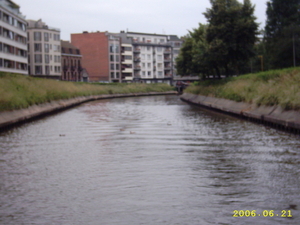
x,y
71,62
13,39
44,50
176,43
153,58
101,53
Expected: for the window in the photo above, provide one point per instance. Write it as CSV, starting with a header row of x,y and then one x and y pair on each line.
x,y
38,70
117,58
46,37
112,66
112,58
144,73
159,49
46,48
160,73
148,65
117,67
37,36
129,57
159,65
143,65
148,48
46,58
128,49
0,47
56,37
149,57
113,48
1,62
47,70
143,56
162,40
159,57
149,73
118,75
112,75
38,58
38,47
56,48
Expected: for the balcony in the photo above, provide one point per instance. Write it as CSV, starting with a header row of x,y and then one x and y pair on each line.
x,y
167,51
167,59
137,59
167,67
136,50
137,67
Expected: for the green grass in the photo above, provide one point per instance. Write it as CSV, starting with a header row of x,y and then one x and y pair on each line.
x,y
19,91
276,87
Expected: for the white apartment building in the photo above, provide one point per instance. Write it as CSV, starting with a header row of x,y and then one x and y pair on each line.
x,y
44,50
13,38
152,56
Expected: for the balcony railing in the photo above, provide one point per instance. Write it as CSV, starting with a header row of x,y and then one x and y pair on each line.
x,y
137,67
137,50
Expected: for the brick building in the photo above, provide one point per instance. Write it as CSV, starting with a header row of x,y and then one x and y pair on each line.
x,y
71,60
101,55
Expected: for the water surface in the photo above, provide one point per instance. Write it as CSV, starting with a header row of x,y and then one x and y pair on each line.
x,y
146,160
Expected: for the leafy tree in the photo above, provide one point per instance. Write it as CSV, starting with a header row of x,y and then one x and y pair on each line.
x,y
282,32
231,33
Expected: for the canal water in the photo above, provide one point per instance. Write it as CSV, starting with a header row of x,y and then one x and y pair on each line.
x,y
147,160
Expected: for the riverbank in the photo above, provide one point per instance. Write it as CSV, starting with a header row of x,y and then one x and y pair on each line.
x,y
19,91
13,117
275,115
270,88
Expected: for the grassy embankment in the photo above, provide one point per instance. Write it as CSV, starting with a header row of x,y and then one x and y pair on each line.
x,y
19,91
277,87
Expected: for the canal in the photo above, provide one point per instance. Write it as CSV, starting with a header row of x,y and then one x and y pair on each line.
x,y
147,160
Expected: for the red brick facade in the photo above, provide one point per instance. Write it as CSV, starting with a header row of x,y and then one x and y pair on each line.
x,y
71,62
94,49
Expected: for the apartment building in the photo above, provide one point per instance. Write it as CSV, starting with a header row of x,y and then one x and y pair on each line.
x,y
13,38
153,58
101,53
176,43
44,50
71,62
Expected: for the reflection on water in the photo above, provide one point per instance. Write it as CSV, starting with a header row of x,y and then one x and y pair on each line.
x,y
146,160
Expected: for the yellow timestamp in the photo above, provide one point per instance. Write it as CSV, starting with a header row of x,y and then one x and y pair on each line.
x,y
265,213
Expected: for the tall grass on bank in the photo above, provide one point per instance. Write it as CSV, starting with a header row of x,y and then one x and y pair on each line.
x,y
277,87
19,91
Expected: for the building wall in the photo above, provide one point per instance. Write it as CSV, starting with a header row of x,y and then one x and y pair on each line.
x,y
71,62
44,50
13,39
94,48
152,57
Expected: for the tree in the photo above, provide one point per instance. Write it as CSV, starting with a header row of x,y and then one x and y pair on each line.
x,y
282,32
193,58
231,33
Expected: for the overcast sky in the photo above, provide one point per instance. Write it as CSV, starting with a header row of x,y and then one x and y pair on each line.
x,y
146,16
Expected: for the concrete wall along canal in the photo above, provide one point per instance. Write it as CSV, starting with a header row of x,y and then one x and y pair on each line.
x,y
269,115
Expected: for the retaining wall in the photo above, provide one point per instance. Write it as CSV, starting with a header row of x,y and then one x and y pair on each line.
x,y
270,115
9,118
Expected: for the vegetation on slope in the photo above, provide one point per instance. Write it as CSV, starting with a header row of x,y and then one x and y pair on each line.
x,y
19,91
277,87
